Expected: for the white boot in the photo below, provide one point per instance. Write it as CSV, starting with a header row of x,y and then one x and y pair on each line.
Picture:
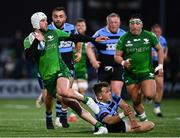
x,y
101,130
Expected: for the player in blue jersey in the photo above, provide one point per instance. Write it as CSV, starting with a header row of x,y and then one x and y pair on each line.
x,y
109,103
108,69
159,78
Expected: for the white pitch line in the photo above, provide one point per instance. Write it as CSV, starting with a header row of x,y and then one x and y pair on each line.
x,y
9,106
177,118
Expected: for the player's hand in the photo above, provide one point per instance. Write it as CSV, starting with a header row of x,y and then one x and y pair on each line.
x,y
159,70
78,57
38,35
101,38
127,110
96,64
126,63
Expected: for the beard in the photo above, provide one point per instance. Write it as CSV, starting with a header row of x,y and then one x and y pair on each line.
x,y
59,25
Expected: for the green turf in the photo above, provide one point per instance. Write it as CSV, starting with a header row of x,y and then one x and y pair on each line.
x,y
20,118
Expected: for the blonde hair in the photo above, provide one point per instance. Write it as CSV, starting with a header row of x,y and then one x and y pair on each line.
x,y
112,15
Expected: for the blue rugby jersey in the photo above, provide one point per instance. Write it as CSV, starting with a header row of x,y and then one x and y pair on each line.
x,y
65,46
163,43
108,108
106,49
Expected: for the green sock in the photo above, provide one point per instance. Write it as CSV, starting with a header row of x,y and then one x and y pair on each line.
x,y
85,100
98,124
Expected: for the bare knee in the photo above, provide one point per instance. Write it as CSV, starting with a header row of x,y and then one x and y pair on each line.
x,y
150,96
63,92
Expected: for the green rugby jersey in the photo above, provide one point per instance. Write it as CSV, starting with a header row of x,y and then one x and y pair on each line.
x,y
49,61
81,65
138,50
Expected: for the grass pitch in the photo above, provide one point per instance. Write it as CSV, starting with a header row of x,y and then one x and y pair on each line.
x,y
20,118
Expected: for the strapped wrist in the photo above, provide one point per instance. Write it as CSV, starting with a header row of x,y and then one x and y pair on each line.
x,y
121,115
122,63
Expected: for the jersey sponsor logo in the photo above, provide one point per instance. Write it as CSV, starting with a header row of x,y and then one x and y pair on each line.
x,y
146,41
136,40
108,68
66,44
139,50
111,46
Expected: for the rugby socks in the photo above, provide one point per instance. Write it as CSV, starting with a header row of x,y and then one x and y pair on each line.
x,y
61,112
98,125
63,118
49,123
157,109
91,104
156,104
58,109
142,117
49,115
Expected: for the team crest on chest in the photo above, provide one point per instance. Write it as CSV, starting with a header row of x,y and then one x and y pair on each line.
x,y
146,41
50,37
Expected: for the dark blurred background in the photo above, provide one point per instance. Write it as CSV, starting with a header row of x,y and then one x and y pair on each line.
x,y
15,26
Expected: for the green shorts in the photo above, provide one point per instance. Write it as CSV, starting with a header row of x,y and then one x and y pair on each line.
x,y
130,78
51,83
80,75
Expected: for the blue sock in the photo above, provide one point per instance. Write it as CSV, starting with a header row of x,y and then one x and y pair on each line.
x,y
49,115
58,109
156,104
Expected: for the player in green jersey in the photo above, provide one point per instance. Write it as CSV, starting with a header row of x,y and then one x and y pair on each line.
x,y
80,82
42,46
133,51
80,79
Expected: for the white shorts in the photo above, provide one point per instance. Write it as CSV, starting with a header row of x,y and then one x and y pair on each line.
x,y
80,85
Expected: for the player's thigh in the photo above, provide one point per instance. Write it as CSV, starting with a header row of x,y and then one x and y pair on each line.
x,y
134,92
63,84
149,87
116,86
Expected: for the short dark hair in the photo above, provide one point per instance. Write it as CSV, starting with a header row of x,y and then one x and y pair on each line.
x,y
59,9
136,16
155,26
80,20
98,86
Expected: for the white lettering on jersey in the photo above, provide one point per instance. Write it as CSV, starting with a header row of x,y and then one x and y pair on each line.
x,y
111,46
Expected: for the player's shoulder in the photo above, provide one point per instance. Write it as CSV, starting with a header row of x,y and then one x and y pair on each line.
x,y
101,31
162,38
122,30
148,32
69,26
51,27
125,35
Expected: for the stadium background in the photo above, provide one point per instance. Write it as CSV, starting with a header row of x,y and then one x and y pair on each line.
x,y
15,25
18,85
